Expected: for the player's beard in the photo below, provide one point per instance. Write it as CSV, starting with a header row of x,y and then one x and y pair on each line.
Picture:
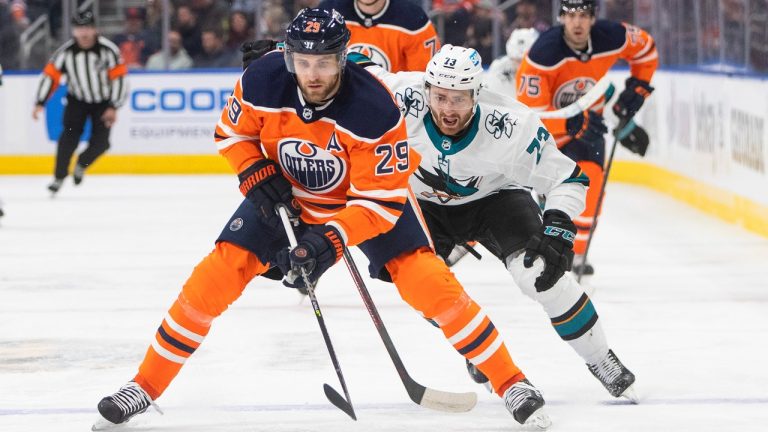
x,y
452,123
320,90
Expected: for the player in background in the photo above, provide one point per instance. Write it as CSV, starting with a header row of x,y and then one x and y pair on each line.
x,y
481,152
561,66
96,88
396,34
2,213
342,163
501,74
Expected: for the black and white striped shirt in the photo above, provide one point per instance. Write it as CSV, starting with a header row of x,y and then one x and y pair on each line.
x,y
94,75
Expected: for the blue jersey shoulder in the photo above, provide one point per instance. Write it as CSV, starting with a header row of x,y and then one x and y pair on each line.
x,y
550,48
607,36
268,69
400,13
364,106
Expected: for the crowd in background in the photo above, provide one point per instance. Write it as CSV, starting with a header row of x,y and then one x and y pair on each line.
x,y
730,34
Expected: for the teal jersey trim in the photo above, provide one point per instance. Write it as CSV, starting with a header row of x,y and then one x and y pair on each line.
x,y
453,147
581,178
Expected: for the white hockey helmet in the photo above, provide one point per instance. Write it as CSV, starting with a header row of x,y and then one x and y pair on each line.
x,y
520,41
455,68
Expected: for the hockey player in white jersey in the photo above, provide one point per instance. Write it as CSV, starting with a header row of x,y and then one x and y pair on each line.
x,y
481,153
501,74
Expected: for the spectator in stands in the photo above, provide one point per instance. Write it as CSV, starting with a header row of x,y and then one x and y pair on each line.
x,y
275,22
480,31
179,59
189,28
136,43
215,54
9,38
528,14
211,14
240,30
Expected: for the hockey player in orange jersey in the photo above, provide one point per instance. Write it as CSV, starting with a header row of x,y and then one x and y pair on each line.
x,y
308,129
563,64
396,34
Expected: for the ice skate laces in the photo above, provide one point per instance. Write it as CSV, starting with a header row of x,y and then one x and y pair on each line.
x,y
608,369
131,399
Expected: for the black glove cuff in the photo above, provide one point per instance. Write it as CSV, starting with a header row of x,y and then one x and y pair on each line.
x,y
256,174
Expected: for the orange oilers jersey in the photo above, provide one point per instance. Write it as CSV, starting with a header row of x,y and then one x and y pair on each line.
x,y
347,160
553,76
399,38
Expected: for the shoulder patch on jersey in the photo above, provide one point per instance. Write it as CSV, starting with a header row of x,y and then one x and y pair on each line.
x,y
410,101
370,116
550,48
498,124
607,36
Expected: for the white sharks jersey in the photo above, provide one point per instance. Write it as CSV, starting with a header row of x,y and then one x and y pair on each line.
x,y
501,76
506,147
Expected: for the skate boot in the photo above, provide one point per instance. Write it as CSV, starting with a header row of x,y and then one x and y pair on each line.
x,y
614,376
581,266
78,173
121,406
55,186
526,404
478,376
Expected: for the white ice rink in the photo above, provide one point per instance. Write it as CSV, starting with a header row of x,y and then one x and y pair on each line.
x,y
86,278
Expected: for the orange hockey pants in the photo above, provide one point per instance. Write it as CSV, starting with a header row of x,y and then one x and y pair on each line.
x,y
422,279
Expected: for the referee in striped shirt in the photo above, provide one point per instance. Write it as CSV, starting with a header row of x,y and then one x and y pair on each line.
x,y
96,87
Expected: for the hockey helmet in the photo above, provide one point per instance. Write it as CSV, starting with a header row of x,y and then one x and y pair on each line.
x,y
316,31
520,41
455,68
568,6
84,18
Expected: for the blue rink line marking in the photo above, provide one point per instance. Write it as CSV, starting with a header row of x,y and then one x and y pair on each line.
x,y
399,406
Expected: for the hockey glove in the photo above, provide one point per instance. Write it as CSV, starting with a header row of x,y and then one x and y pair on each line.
x,y
632,98
264,185
256,49
555,245
318,249
587,127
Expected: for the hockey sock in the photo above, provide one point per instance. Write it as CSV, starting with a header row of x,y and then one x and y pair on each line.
x,y
584,221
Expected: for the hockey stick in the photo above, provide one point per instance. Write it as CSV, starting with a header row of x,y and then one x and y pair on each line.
x,y
342,403
618,134
604,87
426,397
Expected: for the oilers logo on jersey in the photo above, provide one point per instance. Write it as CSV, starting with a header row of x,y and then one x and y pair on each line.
x,y
570,91
497,124
317,169
410,101
376,54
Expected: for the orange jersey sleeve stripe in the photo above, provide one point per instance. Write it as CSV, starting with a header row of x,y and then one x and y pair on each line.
x,y
117,71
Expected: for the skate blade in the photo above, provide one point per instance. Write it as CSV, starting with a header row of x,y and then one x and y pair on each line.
x,y
631,395
102,424
538,421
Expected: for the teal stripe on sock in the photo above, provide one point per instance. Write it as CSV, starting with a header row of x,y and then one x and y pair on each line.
x,y
577,323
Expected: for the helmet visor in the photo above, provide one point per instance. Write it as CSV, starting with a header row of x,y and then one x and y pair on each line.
x,y
313,64
450,99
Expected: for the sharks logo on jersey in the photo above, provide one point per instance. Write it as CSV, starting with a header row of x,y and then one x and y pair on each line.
x,y
376,54
317,169
410,101
498,124
444,187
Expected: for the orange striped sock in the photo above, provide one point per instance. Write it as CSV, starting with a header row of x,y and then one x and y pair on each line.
x,y
475,337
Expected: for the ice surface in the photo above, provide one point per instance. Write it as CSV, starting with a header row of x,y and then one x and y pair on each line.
x,y
86,278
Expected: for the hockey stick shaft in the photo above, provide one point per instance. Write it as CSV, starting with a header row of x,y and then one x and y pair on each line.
x,y
472,250
600,197
429,398
343,403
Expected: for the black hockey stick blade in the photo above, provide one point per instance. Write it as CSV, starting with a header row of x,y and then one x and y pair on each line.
x,y
338,400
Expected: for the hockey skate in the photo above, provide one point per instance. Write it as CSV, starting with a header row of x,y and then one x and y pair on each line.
x,y
525,403
615,377
55,186
78,173
581,266
121,406
478,377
